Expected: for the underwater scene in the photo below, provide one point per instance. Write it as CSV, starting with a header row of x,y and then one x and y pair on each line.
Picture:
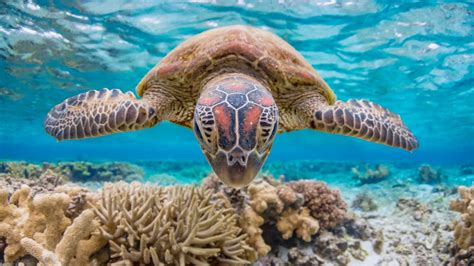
x,y
236,132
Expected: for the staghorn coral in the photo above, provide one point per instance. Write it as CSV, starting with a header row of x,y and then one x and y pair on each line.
x,y
464,227
326,205
171,225
370,176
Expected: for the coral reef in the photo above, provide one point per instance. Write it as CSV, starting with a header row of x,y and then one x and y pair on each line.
x,y
364,202
171,225
46,181
298,208
85,171
379,173
74,171
39,226
21,169
428,175
464,227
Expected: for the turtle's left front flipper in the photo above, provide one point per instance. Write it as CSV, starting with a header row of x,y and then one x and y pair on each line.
x,y
362,119
97,113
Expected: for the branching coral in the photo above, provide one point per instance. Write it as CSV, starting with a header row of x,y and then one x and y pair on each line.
x,y
38,226
370,176
172,225
298,207
464,228
65,250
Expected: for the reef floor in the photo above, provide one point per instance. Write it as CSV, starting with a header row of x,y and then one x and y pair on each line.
x,y
382,214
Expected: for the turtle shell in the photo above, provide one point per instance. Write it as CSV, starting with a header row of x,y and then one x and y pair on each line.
x,y
242,49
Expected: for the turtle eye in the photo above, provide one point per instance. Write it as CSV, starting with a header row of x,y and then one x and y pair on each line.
x,y
204,127
268,126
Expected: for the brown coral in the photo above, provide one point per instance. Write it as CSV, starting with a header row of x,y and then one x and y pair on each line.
x,y
464,228
326,205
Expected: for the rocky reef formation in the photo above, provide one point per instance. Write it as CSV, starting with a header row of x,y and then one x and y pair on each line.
x,y
369,176
427,174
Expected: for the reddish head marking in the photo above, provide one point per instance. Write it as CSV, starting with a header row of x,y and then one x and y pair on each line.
x,y
251,118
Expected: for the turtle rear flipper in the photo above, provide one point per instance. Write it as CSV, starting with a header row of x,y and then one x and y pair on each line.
x,y
363,119
97,113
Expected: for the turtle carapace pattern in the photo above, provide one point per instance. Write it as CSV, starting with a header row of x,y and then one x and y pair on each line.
x,y
236,87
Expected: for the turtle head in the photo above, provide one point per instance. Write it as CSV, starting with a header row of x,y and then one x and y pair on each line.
x,y
235,122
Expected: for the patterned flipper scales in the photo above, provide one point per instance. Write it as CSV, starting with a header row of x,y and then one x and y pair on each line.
x,y
366,120
97,113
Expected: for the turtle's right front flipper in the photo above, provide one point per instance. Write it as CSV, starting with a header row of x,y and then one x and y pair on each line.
x,y
97,113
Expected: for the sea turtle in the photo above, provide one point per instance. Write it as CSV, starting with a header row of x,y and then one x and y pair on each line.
x,y
236,87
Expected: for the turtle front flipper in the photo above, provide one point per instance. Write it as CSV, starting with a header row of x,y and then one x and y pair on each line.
x,y
97,113
362,119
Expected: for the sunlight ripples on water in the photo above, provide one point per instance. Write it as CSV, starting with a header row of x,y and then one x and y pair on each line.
x,y
414,58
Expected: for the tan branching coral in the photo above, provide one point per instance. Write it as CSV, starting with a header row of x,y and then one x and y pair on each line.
x,y
38,226
65,250
251,221
298,220
172,225
264,198
464,228
326,205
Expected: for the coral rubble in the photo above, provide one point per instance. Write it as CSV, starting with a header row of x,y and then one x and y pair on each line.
x,y
364,202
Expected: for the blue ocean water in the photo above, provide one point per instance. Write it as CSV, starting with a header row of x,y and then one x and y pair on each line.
x,y
415,58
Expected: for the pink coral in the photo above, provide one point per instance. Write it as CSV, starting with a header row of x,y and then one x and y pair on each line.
x,y
326,205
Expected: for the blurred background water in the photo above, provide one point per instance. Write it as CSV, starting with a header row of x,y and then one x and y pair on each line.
x,y
413,57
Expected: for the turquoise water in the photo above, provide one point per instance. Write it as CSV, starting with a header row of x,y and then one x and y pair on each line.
x,y
415,58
